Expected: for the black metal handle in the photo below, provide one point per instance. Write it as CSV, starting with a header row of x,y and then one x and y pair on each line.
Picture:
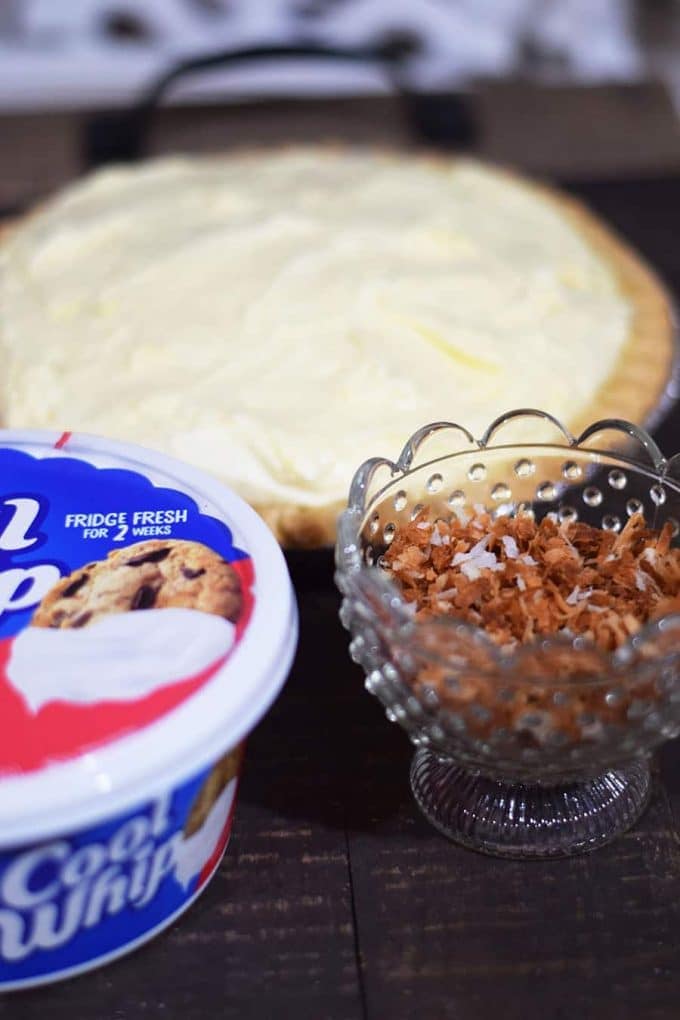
x,y
390,56
122,135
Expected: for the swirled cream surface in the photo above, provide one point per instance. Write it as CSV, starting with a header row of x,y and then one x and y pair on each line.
x,y
275,319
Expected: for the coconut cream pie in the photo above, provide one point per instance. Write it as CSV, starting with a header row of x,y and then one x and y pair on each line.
x,y
275,318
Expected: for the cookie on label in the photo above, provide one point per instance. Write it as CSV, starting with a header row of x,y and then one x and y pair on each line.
x,y
155,574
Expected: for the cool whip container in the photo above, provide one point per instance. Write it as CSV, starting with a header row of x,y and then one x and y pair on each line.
x,y
147,621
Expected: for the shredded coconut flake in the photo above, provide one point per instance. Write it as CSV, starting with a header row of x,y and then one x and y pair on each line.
x,y
462,516
510,547
476,551
641,580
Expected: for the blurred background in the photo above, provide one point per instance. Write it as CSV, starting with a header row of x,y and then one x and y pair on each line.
x,y
565,88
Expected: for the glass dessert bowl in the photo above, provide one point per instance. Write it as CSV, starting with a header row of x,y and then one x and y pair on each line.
x,y
540,749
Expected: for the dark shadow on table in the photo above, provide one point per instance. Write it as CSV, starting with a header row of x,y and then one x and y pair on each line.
x,y
325,752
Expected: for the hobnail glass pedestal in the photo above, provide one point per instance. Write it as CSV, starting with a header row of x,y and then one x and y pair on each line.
x,y
523,819
543,751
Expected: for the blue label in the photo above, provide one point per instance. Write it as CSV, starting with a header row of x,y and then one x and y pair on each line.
x,y
58,514
68,902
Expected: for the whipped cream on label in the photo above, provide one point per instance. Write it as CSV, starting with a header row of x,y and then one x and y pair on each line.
x,y
194,852
120,657
276,319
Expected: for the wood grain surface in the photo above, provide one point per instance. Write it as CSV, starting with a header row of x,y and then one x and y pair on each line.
x,y
336,900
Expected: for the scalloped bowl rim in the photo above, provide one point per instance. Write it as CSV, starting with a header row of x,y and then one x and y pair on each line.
x,y
403,627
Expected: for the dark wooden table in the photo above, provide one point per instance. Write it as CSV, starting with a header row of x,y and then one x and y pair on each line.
x,y
337,900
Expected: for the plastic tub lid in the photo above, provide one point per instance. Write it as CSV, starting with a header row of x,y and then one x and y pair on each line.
x,y
102,706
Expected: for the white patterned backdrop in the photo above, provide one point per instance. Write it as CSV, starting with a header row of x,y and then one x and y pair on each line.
x,y
66,53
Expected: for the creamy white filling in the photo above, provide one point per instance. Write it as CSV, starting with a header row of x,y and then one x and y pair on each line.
x,y
277,320
120,657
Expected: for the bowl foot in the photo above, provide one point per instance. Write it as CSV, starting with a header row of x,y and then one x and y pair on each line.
x,y
521,820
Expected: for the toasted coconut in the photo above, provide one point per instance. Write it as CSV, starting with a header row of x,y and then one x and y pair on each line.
x,y
519,580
